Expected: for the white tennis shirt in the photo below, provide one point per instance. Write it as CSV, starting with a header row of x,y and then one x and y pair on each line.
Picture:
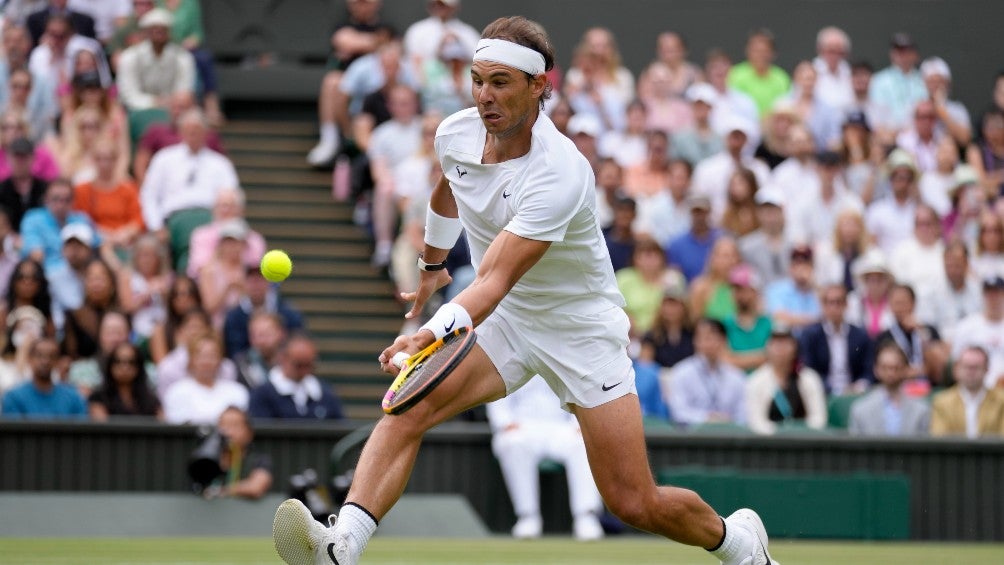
x,y
546,195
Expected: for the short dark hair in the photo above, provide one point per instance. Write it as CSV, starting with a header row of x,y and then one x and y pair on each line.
x,y
862,65
905,288
712,324
890,345
762,33
527,33
983,353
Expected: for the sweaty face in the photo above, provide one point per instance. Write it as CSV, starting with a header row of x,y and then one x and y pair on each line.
x,y
505,98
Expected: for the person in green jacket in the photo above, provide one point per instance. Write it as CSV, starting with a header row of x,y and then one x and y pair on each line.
x,y
758,76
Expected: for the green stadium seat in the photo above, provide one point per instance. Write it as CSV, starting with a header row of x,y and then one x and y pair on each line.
x,y
839,410
720,428
141,119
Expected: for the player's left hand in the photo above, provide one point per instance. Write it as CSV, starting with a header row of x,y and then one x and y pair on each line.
x,y
429,282
409,344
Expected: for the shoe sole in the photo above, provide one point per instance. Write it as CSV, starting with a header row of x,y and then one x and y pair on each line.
x,y
761,532
291,533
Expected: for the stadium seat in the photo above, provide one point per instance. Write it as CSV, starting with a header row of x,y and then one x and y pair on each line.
x,y
839,410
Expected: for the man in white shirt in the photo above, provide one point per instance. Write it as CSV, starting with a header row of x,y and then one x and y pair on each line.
x,y
814,213
182,183
890,220
968,408
957,295
711,176
833,72
952,117
918,261
704,388
985,329
922,138
54,59
544,301
151,71
729,101
423,38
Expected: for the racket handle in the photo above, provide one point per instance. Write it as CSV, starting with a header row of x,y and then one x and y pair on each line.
x,y
399,359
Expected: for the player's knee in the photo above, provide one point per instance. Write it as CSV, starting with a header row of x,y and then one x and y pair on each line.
x,y
413,423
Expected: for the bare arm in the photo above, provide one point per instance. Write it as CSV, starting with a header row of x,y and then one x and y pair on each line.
x,y
253,487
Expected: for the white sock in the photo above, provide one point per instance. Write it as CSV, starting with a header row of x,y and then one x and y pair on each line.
x,y
736,542
329,133
357,524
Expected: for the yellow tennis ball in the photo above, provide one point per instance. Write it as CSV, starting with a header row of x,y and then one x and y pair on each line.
x,y
276,266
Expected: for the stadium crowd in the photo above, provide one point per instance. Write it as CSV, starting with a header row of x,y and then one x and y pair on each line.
x,y
795,249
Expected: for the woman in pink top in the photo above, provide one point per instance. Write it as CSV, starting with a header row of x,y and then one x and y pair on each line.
x,y
202,246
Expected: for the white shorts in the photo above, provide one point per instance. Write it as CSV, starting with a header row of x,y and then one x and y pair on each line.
x,y
583,357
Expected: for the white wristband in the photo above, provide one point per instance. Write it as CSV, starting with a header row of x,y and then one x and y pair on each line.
x,y
449,317
441,232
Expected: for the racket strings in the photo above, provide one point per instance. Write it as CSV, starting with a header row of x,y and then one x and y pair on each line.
x,y
430,366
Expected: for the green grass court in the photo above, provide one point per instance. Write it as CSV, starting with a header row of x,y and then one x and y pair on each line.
x,y
494,551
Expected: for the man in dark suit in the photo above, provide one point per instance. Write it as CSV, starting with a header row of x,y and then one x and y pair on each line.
x,y
82,23
21,191
292,390
840,352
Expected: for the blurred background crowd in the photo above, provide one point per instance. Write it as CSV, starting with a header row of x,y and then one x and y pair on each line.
x,y
807,247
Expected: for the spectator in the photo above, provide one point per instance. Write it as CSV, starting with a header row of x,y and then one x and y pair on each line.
x,y
642,283
20,88
182,185
985,329
55,59
690,251
815,212
917,260
768,248
968,408
41,228
143,286
951,116
186,31
627,147
25,325
986,156
899,86
671,338
182,297
868,305
584,130
833,85
887,409
87,93
700,141
37,22
244,472
27,286
560,113
259,296
151,71
666,215
954,296
597,82
67,280
266,333
223,281
797,176
111,199
667,110
793,301
361,34
841,353
837,256
620,237
292,391
164,134
527,429
711,176
75,149
861,154
229,206
922,139
739,218
988,259
873,112
204,393
446,79
174,366
107,14
651,175
22,190
704,388
890,220
44,397
82,324
921,343
822,120
757,76
711,293
729,102
86,372
14,125
423,38
747,329
671,51
9,257
783,393
936,186
775,147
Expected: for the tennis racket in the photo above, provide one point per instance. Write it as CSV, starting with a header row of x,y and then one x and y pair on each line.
x,y
423,371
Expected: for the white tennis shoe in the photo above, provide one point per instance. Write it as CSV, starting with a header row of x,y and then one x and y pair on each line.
x,y
301,540
748,521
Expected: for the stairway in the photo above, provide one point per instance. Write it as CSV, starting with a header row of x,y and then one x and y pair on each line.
x,y
349,307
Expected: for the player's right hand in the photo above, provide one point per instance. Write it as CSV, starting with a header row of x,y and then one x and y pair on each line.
x,y
429,282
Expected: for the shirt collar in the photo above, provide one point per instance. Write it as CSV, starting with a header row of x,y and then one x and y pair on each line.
x,y
309,387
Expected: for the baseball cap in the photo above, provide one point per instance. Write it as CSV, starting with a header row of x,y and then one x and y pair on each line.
x,y
702,92
22,146
902,40
698,201
770,195
80,232
450,3
935,66
674,286
995,282
857,118
872,262
743,275
584,123
900,159
156,17
22,313
738,123
963,175
234,229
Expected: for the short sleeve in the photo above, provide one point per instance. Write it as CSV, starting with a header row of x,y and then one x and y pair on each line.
x,y
545,206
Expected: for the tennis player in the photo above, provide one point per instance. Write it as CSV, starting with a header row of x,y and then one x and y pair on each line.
x,y
544,301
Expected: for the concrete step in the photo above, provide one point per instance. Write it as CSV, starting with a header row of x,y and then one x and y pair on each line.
x,y
327,231
270,127
387,325
336,287
292,161
253,176
325,268
306,196
266,144
327,306
281,211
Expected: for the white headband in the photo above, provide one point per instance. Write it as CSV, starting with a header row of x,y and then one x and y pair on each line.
x,y
511,54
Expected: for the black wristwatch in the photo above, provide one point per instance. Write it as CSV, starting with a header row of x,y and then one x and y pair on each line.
x,y
422,265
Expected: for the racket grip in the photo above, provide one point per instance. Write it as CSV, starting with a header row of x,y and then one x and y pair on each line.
x,y
399,359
